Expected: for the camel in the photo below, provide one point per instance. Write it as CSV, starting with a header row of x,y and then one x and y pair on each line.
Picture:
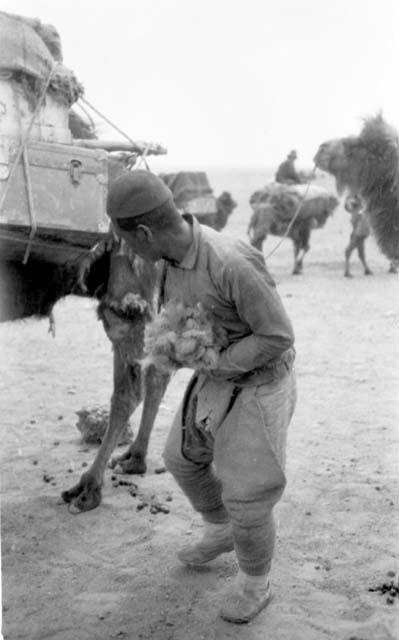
x,y
128,298
368,165
126,288
273,209
192,193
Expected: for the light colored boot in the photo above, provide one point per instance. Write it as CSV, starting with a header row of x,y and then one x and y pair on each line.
x,y
217,539
245,598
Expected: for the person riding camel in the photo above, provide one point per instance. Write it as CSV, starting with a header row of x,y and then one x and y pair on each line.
x,y
286,173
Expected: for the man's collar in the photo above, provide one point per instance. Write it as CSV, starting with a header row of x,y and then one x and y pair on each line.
x,y
190,258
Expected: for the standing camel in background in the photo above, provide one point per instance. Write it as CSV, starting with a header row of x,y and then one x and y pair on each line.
x,y
273,209
368,165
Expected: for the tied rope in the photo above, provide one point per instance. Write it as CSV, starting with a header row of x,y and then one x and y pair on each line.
x,y
125,135
26,135
296,214
142,156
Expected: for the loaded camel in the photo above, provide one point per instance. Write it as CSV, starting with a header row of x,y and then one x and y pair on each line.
x,y
274,208
368,165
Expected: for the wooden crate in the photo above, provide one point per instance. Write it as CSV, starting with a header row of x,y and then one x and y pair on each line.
x,y
69,189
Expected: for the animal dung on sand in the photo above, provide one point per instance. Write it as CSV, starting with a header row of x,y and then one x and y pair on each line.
x,y
92,424
181,336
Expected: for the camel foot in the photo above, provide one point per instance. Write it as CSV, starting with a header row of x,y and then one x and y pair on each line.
x,y
348,274
129,462
368,272
84,496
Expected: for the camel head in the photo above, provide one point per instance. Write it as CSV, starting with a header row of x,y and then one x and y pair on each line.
x,y
364,162
225,206
226,201
342,158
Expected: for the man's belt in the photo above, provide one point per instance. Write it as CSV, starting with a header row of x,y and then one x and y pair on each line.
x,y
272,371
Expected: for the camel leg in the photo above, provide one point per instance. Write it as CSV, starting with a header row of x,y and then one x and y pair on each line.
x,y
86,495
298,262
362,255
348,252
300,238
134,459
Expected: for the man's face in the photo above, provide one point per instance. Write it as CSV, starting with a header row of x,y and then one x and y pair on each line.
x,y
142,241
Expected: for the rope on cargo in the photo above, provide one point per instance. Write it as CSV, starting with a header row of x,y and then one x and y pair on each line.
x,y
31,206
87,114
22,152
112,124
26,135
296,214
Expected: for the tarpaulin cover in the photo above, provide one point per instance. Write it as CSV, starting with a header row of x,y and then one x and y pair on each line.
x,y
22,49
187,185
29,49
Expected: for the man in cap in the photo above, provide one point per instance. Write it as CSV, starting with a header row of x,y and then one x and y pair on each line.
x,y
286,173
226,447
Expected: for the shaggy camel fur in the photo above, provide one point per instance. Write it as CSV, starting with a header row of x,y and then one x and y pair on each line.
x,y
368,165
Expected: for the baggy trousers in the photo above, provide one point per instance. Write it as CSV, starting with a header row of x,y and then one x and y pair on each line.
x,y
246,478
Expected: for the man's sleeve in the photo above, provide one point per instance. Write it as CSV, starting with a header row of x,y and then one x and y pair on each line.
x,y
252,291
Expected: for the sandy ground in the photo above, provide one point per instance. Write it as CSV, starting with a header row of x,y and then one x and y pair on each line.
x,y
112,573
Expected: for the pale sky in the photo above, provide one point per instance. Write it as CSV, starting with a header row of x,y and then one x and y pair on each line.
x,y
228,83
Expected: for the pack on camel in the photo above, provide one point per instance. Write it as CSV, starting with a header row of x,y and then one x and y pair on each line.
x,y
275,206
368,165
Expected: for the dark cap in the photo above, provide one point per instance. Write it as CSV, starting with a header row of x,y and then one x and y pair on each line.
x,y
136,192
